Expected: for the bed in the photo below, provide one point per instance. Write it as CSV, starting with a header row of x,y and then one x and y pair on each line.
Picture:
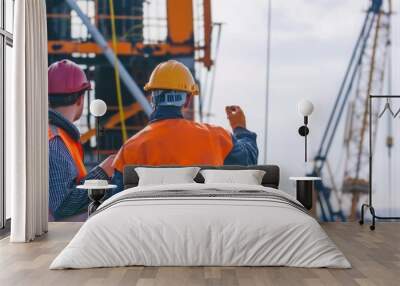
x,y
199,224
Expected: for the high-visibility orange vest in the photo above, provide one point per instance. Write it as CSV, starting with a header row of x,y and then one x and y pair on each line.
x,y
74,148
176,142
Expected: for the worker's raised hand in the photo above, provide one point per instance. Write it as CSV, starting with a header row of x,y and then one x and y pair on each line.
x,y
235,116
106,165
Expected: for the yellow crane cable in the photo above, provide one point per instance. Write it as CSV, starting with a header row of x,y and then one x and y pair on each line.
x,y
116,73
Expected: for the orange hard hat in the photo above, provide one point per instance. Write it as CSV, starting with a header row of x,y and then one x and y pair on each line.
x,y
172,75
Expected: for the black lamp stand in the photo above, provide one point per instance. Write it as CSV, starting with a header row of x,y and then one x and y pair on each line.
x,y
304,131
99,133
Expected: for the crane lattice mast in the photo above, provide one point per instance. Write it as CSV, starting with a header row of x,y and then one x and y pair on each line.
x,y
364,76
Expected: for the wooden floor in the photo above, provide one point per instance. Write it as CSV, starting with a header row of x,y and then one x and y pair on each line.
x,y
375,257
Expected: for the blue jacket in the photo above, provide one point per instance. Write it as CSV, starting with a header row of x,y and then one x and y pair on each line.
x,y
65,200
244,151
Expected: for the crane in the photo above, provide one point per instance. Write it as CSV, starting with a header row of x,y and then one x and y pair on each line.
x,y
364,75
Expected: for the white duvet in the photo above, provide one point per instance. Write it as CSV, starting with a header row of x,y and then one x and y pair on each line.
x,y
188,231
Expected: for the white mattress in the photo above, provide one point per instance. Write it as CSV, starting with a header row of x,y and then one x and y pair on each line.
x,y
189,231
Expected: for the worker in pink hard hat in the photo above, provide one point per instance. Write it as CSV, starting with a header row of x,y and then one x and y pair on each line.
x,y
67,85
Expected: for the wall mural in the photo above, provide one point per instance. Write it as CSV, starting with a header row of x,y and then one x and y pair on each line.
x,y
100,119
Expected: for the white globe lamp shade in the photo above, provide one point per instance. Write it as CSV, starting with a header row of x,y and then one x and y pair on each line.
x,y
98,108
305,107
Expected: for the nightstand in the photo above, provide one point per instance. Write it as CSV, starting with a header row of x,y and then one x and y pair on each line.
x,y
305,189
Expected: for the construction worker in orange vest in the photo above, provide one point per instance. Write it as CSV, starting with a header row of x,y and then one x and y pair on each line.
x,y
169,139
67,85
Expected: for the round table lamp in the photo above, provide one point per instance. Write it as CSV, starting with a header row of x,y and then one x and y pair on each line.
x,y
98,108
305,108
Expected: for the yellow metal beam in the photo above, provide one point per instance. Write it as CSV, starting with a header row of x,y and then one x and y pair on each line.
x,y
116,73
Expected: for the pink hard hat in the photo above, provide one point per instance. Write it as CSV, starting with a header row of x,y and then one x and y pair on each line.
x,y
66,77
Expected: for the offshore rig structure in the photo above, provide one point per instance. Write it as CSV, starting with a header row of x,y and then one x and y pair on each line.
x,y
140,34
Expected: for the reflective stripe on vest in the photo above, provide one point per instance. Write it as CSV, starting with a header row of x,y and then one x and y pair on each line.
x,y
176,142
74,149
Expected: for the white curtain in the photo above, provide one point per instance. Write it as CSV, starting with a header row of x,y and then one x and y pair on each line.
x,y
26,124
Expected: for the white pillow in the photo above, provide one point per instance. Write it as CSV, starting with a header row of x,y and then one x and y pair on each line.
x,y
166,176
248,177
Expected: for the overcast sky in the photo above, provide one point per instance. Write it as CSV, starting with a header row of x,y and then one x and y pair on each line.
x,y
311,45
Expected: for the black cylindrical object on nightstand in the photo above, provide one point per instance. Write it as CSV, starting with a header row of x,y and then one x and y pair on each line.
x,y
96,196
304,193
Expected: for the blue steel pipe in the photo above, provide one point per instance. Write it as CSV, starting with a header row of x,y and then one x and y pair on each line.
x,y
349,88
337,111
126,78
339,96
343,95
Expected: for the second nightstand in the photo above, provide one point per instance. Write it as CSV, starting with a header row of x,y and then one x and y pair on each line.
x,y
305,189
